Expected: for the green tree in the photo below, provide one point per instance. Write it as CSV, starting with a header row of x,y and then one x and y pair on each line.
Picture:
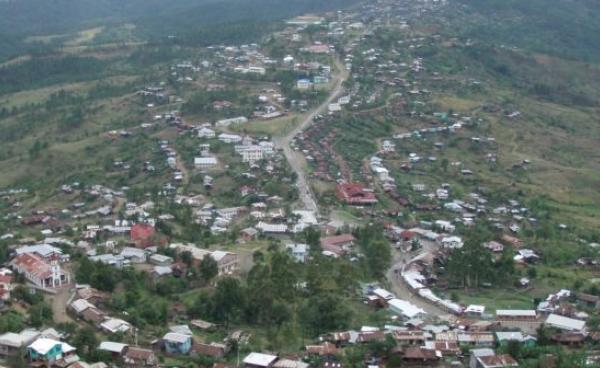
x,y
228,300
209,268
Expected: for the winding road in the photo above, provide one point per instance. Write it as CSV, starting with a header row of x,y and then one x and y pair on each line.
x,y
307,197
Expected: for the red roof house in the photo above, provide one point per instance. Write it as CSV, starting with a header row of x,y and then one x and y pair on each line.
x,y
355,194
142,235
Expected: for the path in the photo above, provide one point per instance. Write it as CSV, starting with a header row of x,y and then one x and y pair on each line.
x,y
59,303
307,197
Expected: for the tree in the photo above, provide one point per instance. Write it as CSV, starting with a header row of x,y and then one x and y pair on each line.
x,y
209,268
312,237
85,340
326,312
39,314
186,257
228,300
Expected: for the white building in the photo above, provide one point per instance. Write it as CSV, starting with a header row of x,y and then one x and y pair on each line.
x,y
228,122
230,138
206,133
205,162
298,251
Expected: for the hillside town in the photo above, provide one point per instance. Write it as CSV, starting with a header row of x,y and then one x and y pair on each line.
x,y
308,201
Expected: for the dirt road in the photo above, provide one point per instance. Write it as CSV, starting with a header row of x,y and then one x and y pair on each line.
x,y
402,291
307,197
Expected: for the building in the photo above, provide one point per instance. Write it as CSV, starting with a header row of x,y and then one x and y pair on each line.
x,y
565,323
355,194
496,361
115,325
213,350
338,244
259,360
206,133
5,286
230,138
404,308
47,351
204,163
12,343
46,251
160,260
298,251
228,122
303,84
142,235
177,343
39,272
133,255
227,262
139,358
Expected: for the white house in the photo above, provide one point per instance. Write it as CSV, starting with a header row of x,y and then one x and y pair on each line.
x,y
205,162
298,251
228,122
206,133
452,242
230,138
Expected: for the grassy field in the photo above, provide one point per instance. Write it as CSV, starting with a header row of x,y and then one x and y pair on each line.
x,y
275,127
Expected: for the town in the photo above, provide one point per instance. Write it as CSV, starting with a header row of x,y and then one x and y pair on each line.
x,y
338,194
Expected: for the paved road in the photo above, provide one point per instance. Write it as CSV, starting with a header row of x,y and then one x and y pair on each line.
x,y
307,197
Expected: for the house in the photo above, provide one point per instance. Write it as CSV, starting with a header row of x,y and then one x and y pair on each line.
x,y
409,337
213,350
47,351
80,305
115,325
298,251
338,244
160,271
572,339
452,242
303,84
259,360
227,262
45,251
39,272
114,348
205,132
528,315
11,343
227,122
248,234
92,295
142,235
5,286
476,338
204,163
419,355
496,361
326,349
272,228
445,347
135,357
177,343
504,337
251,153
355,194
133,255
229,138
404,308
160,260
474,311
565,323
